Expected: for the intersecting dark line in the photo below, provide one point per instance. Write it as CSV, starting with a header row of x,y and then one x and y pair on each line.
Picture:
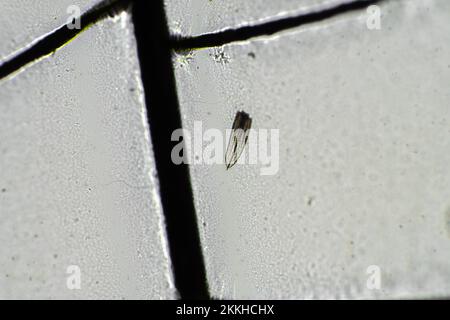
x,y
163,111
247,32
60,36
155,46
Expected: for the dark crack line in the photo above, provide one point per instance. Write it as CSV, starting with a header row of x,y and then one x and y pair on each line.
x,y
155,47
269,28
60,36
163,111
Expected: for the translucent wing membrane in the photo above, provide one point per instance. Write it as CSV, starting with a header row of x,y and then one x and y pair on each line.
x,y
238,139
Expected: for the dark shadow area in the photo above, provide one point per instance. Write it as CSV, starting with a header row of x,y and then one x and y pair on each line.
x,y
155,46
152,35
268,28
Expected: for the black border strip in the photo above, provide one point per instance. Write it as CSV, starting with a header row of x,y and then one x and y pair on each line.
x,y
244,33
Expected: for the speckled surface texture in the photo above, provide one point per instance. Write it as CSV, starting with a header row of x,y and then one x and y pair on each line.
x,y
356,206
77,179
24,21
363,171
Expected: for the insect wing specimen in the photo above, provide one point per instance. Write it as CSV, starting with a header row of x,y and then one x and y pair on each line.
x,y
238,138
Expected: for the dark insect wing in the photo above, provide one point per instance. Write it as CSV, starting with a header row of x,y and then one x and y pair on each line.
x,y
238,139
